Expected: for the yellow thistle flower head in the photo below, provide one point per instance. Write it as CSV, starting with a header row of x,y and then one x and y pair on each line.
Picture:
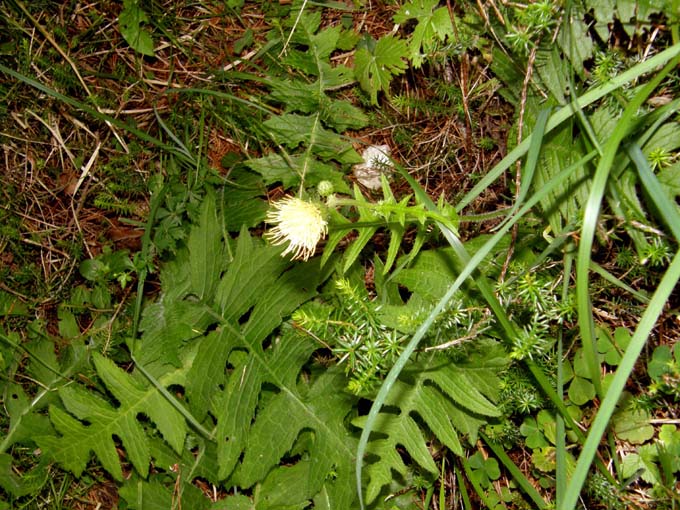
x,y
298,223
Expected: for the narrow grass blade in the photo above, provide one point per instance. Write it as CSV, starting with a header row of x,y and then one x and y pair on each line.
x,y
560,432
567,111
596,268
142,135
519,477
463,489
585,319
625,368
529,168
667,209
591,220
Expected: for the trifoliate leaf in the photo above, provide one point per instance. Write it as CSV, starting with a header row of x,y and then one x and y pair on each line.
x,y
581,390
633,425
612,348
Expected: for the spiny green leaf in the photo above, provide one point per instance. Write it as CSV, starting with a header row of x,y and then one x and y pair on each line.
x,y
321,408
606,11
168,324
242,285
342,115
243,206
72,449
296,95
335,235
275,168
200,460
286,487
137,398
574,40
367,215
207,371
155,494
24,422
403,431
311,53
558,153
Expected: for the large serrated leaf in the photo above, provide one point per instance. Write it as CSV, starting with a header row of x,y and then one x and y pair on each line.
x,y
154,495
403,431
452,407
275,168
168,324
72,449
342,115
96,423
292,130
207,371
574,40
206,249
434,26
296,95
240,288
321,408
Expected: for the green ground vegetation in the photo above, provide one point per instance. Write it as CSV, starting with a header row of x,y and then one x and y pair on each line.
x,y
477,208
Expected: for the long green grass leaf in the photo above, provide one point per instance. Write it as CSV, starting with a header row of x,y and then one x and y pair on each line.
x,y
668,211
516,473
142,135
585,319
567,111
618,383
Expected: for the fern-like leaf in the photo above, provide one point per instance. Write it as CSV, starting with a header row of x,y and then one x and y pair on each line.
x,y
93,423
452,400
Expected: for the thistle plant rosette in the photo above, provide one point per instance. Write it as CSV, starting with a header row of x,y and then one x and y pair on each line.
x,y
300,223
